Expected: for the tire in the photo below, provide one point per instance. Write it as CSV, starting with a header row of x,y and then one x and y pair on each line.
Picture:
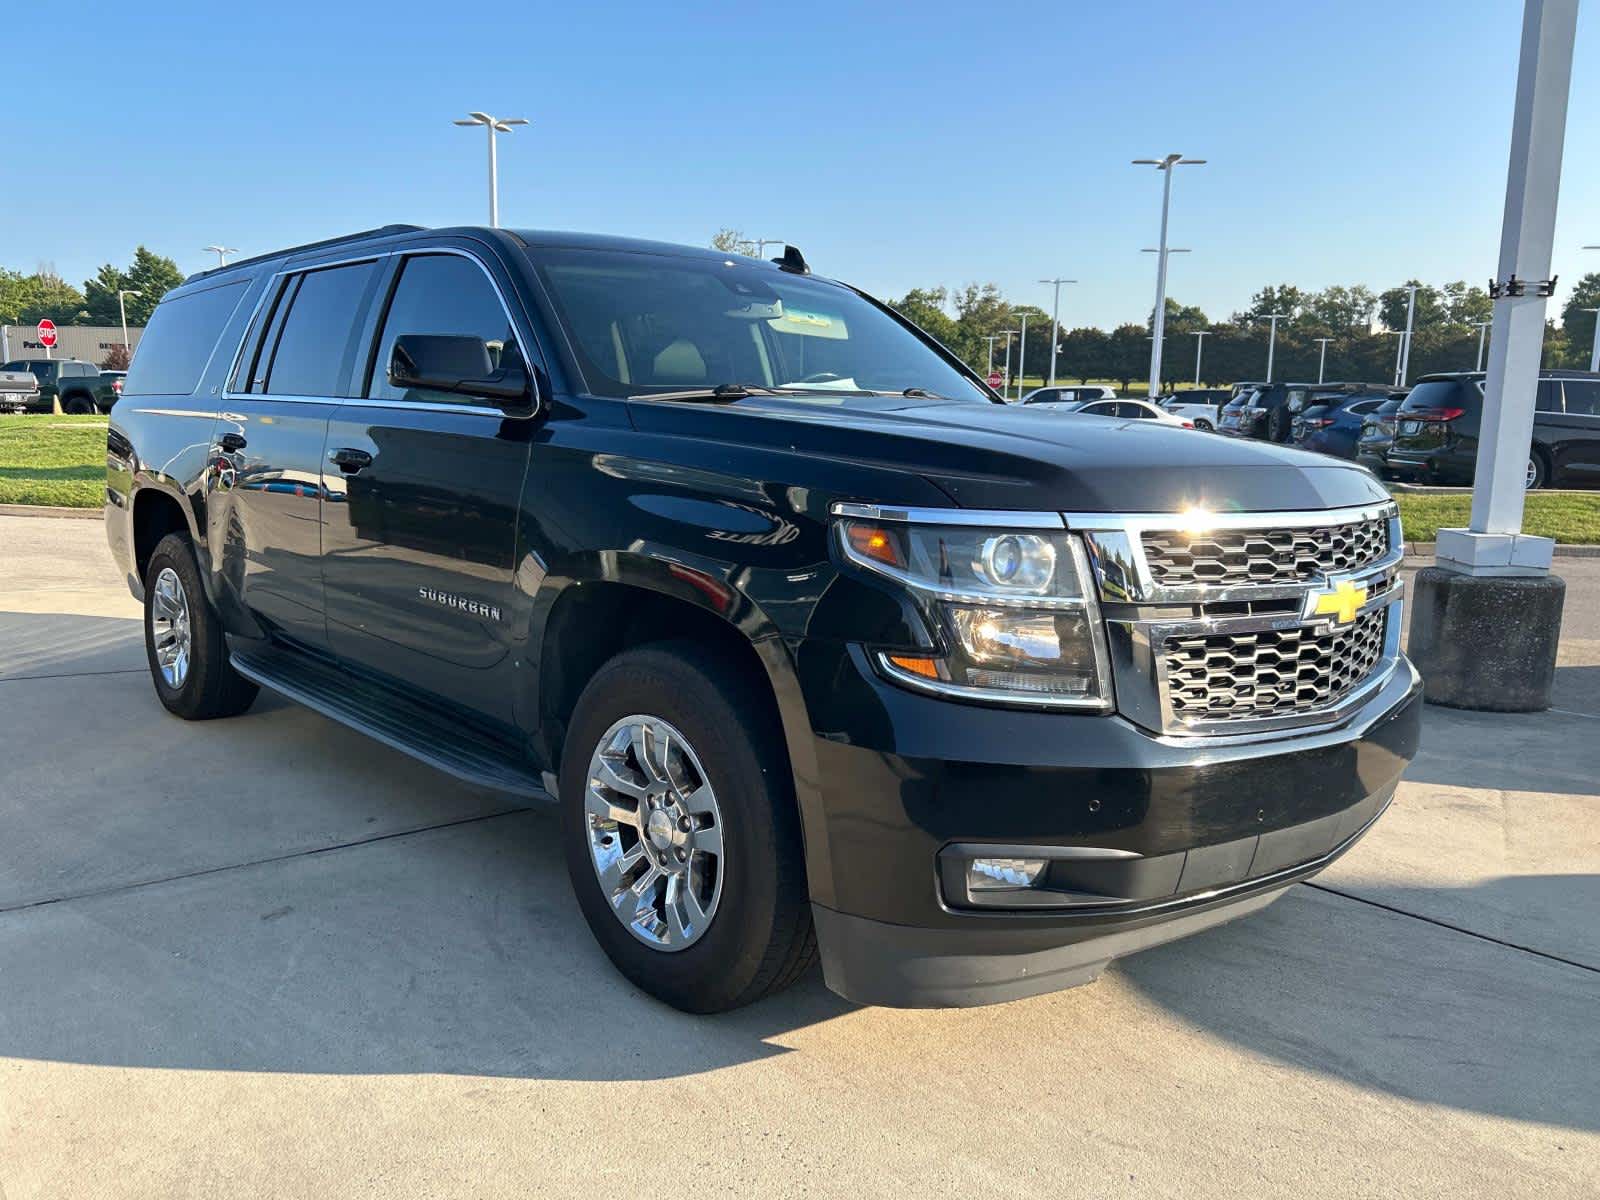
x,y
1278,425
1202,424
207,685
756,937
1538,472
79,406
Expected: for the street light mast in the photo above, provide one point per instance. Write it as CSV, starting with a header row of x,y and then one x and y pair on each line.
x,y
1055,324
1164,165
494,125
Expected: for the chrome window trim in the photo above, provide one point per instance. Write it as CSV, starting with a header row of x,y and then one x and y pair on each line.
x,y
274,282
991,518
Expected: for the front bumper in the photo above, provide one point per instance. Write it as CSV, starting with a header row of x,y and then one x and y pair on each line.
x,y
1204,830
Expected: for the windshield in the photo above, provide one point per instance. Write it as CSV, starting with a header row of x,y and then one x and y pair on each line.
x,y
646,322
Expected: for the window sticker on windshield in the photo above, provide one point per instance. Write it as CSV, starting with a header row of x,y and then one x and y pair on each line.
x,y
810,324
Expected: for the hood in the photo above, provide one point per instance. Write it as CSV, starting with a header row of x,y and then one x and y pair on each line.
x,y
1004,457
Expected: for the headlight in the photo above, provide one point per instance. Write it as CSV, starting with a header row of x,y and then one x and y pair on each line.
x,y
1011,608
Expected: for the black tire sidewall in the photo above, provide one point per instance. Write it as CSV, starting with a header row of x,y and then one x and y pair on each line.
x,y
684,687
1541,473
208,690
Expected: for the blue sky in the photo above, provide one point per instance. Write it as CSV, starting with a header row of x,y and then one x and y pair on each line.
x,y
898,145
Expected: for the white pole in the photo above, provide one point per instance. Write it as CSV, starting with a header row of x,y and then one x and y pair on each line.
x,y
1594,353
1533,182
1411,314
1483,329
1272,338
1322,359
1160,321
1199,347
494,181
991,339
1005,384
1399,348
1022,354
122,310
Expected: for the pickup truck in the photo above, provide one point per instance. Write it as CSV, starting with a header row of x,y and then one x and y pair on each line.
x,y
820,649
19,391
81,387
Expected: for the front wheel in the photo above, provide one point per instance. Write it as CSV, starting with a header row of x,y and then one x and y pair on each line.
x,y
1202,423
1537,476
680,829
79,406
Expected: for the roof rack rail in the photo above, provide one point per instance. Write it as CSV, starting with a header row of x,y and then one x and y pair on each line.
x,y
380,231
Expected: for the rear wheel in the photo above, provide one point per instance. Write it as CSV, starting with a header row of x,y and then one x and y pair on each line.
x,y
79,405
184,642
1538,474
1278,425
1202,423
680,830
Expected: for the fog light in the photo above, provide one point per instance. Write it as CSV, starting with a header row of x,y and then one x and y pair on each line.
x,y
1003,874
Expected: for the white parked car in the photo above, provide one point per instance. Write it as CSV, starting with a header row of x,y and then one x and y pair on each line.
x,y
1200,405
1057,394
1122,410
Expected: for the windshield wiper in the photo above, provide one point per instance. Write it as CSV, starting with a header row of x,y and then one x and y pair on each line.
x,y
723,391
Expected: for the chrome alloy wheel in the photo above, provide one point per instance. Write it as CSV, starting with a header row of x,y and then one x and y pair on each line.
x,y
655,833
1532,476
170,627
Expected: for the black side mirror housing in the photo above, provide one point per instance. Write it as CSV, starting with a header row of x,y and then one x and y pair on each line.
x,y
460,365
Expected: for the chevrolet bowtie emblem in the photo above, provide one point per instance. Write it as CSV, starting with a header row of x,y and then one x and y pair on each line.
x,y
1341,602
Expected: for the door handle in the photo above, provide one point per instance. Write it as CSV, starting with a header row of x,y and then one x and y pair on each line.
x,y
231,443
350,460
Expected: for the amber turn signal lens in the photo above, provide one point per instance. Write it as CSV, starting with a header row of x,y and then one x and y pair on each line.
x,y
872,541
924,667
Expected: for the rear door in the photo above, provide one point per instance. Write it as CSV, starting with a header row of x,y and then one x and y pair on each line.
x,y
421,515
1570,433
294,371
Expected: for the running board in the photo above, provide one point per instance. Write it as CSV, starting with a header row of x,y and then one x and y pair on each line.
x,y
443,741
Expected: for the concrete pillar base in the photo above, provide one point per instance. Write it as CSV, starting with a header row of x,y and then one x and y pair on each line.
x,y
1486,642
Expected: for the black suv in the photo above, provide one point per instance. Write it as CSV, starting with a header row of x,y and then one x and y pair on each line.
x,y
818,646
1436,430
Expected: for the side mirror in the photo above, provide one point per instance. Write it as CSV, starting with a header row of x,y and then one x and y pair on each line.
x,y
460,365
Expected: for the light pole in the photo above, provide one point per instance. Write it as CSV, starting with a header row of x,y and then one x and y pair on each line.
x,y
761,244
1199,346
1022,353
1055,323
1272,337
222,253
122,308
1411,316
1594,354
1322,358
991,338
1483,329
1165,165
1005,384
494,125
1399,346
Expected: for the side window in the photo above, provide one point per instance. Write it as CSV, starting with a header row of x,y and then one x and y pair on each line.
x,y
178,342
1129,408
442,294
1583,397
1102,409
1363,407
315,348
1549,398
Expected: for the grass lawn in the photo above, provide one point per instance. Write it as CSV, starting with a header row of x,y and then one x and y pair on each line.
x,y
52,460
1567,518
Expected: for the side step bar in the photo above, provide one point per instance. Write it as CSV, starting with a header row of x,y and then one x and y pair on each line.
x,y
439,739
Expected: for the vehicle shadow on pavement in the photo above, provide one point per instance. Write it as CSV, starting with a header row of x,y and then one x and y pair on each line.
x,y
1385,1001
1516,752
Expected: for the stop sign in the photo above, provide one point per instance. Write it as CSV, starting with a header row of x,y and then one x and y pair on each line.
x,y
47,332
996,379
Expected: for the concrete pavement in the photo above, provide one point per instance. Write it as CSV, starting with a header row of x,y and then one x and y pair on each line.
x,y
268,956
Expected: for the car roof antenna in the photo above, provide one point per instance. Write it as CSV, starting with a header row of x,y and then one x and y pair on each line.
x,y
794,261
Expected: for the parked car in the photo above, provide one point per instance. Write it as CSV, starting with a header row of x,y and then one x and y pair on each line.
x,y
1436,430
1054,395
1127,410
771,596
1331,424
1202,406
1233,419
116,379
1377,435
19,391
78,385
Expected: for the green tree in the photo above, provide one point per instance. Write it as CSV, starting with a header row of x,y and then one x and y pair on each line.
x,y
151,275
1577,326
1129,354
1338,308
25,299
728,240
1284,298
925,308
1430,311
1465,305
1085,355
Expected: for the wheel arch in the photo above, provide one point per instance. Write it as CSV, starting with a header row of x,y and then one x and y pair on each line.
x,y
157,512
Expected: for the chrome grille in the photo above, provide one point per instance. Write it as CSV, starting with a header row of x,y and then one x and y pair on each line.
x,y
1270,672
1228,557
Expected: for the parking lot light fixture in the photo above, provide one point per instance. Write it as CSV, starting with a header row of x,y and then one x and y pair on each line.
x,y
1005,384
222,253
761,244
1405,346
1483,330
494,125
1199,336
1022,353
1164,165
1055,324
122,309
1322,358
1272,336
991,338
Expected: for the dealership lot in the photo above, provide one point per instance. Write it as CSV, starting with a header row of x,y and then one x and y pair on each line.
x,y
270,956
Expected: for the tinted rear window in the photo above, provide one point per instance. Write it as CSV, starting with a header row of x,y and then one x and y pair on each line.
x,y
1443,393
315,349
1583,397
179,340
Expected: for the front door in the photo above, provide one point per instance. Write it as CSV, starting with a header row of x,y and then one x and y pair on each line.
x,y
423,489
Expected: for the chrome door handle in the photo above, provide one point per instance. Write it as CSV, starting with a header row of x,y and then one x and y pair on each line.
x,y
349,459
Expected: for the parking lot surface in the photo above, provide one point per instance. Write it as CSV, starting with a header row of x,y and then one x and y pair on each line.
x,y
268,956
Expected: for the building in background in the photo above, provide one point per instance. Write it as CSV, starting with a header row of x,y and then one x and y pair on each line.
x,y
88,343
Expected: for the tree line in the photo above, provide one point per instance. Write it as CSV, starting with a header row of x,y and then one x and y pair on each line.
x,y
26,299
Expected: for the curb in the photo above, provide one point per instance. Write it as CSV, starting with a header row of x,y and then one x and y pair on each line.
x,y
48,510
1439,489
1566,550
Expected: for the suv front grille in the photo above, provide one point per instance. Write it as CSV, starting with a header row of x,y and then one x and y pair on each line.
x,y
1226,557
1270,672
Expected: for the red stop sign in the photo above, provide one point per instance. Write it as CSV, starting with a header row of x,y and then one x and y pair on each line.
x,y
47,332
996,379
